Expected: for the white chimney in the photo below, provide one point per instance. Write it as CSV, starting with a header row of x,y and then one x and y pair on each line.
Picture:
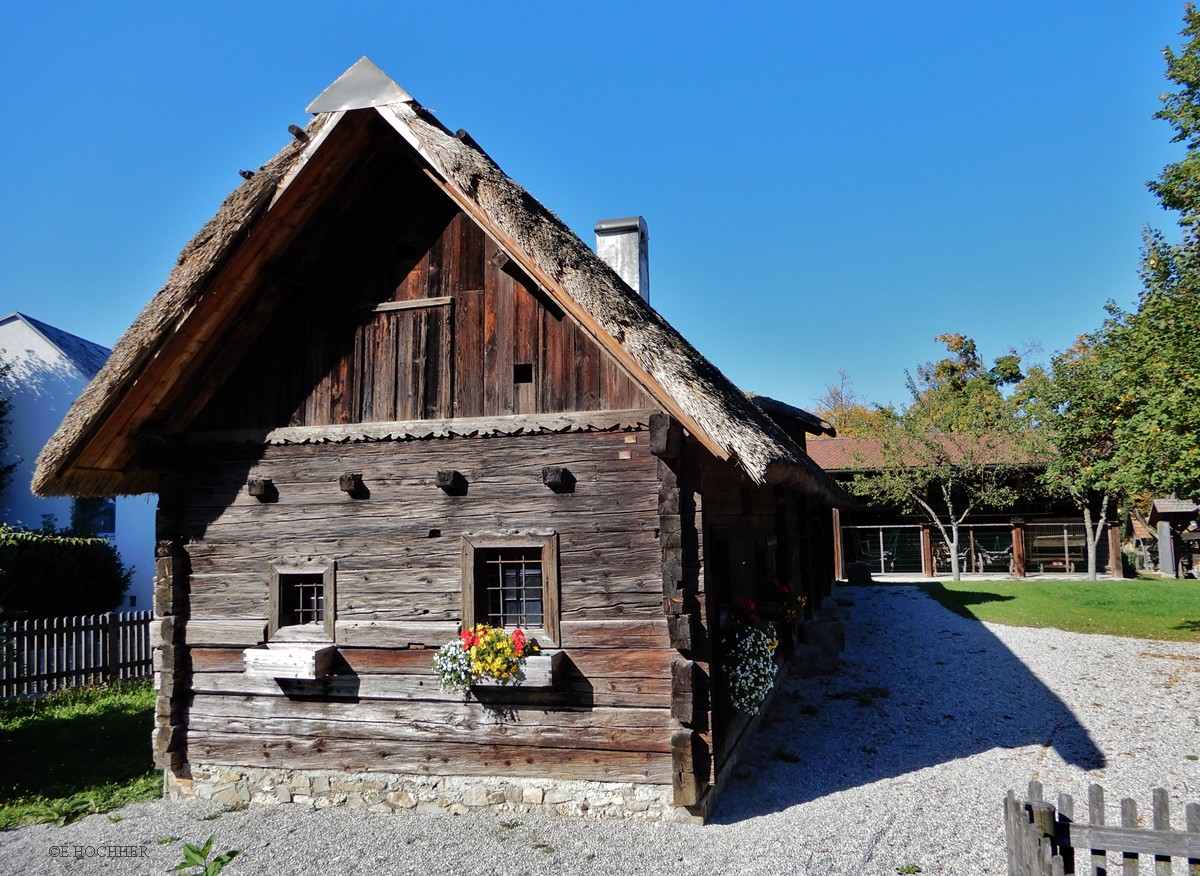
x,y
625,245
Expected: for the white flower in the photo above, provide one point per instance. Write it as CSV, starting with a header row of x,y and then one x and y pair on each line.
x,y
453,667
750,668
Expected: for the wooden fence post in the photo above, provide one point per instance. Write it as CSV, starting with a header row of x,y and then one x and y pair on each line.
x,y
1038,844
112,646
1193,826
1096,819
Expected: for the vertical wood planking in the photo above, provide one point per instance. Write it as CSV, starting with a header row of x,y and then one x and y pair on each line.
x,y
1161,809
565,368
1099,859
389,235
1129,860
587,372
525,351
1192,820
1066,815
551,327
468,320
503,377
491,341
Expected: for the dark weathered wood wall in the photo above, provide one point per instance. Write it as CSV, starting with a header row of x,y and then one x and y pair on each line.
x,y
393,305
398,596
752,534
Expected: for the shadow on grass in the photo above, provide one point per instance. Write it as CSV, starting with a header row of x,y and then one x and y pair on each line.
x,y
919,686
961,601
59,756
1188,626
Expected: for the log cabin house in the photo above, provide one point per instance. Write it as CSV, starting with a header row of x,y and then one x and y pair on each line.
x,y
381,369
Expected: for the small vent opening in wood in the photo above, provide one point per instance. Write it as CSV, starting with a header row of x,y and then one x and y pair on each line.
x,y
523,373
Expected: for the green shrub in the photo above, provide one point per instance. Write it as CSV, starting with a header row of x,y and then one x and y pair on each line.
x,y
57,575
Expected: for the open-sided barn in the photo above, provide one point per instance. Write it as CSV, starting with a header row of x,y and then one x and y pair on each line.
x,y
383,390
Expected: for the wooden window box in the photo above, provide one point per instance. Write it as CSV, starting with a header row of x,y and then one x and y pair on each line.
x,y
540,671
293,660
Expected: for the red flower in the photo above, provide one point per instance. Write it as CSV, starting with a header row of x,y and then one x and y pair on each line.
x,y
518,640
468,639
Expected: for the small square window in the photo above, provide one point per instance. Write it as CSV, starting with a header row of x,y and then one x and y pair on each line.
x,y
301,599
301,603
523,373
512,581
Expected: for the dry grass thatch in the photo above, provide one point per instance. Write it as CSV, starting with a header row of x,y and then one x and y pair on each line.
x,y
730,423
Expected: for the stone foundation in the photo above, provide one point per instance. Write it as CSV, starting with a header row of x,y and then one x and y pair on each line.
x,y
390,793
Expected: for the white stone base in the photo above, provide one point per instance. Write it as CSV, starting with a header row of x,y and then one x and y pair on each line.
x,y
391,793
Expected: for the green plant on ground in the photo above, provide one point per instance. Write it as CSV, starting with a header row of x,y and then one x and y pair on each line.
x,y
196,857
908,869
71,754
1163,608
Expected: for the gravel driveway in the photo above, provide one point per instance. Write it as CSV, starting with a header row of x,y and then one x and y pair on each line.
x,y
902,758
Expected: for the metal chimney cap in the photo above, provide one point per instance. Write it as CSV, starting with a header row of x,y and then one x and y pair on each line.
x,y
363,85
629,223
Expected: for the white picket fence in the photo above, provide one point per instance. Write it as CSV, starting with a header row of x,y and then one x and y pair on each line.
x,y
37,656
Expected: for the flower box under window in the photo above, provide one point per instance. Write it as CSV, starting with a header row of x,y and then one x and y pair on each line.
x,y
539,670
294,660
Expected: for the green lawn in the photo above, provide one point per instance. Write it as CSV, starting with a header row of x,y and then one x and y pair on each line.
x,y
74,753
1144,609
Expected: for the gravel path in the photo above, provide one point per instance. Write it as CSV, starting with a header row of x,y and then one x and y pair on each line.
x,y
901,758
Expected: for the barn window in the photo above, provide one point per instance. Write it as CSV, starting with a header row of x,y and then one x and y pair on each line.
x,y
511,580
302,599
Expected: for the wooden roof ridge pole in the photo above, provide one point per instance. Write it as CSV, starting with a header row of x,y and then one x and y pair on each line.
x,y
555,290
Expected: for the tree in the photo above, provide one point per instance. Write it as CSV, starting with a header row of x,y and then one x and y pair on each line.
x,y
1121,409
1072,414
954,448
841,407
1178,186
1153,353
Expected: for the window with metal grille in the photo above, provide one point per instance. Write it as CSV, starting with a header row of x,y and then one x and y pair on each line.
x,y
301,600
511,580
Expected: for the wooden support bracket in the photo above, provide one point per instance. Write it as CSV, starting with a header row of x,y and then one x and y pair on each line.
x,y
263,489
558,479
451,482
351,483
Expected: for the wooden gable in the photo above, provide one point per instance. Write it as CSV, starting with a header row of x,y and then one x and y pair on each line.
x,y
395,305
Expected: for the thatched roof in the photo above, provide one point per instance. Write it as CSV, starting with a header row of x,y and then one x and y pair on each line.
x,y
673,372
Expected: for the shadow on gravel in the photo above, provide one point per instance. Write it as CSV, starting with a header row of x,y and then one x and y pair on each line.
x,y
919,686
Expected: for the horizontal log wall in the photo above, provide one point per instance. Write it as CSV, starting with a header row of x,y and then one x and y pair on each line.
x,y
398,596
393,305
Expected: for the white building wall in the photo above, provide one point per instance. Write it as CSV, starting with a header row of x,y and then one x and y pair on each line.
x,y
41,386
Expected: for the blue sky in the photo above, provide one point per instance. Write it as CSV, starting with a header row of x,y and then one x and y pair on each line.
x,y
827,185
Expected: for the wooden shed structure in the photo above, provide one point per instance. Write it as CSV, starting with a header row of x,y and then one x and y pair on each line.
x,y
381,366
